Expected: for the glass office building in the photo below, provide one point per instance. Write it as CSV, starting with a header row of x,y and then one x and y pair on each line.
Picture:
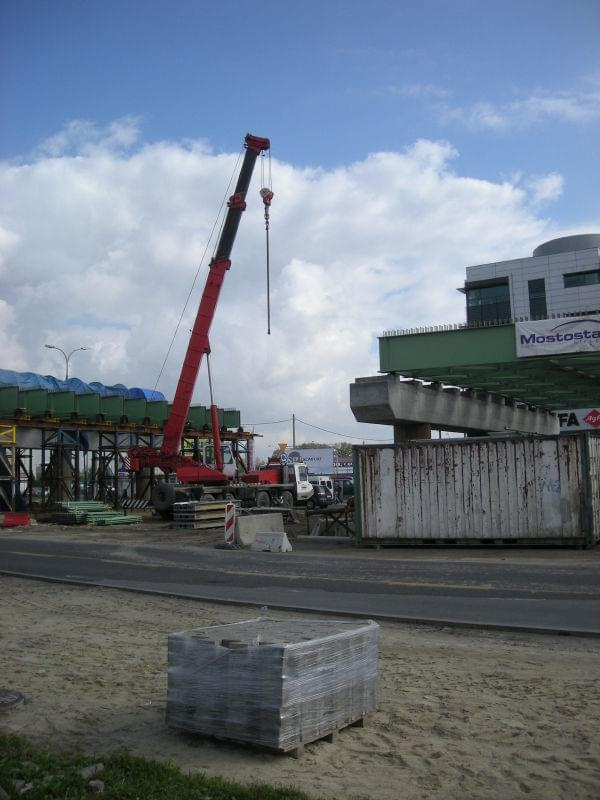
x,y
561,277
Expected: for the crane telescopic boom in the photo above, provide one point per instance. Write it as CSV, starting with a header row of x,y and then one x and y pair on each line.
x,y
168,458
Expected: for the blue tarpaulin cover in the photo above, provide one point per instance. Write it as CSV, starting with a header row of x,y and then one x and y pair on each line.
x,y
31,380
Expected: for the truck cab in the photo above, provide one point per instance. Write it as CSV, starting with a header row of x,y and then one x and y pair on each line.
x,y
289,478
229,467
304,488
296,473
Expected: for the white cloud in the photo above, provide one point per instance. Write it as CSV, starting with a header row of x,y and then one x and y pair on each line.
x,y
545,188
83,136
101,236
14,353
574,106
564,106
9,241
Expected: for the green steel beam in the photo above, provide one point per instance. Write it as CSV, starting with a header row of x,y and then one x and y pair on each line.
x,y
485,359
454,348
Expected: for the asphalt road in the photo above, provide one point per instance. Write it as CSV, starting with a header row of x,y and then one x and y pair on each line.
x,y
543,595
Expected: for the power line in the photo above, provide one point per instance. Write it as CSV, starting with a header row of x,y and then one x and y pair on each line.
x,y
276,422
343,435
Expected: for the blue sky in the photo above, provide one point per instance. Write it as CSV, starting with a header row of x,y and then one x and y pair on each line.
x,y
409,141
328,81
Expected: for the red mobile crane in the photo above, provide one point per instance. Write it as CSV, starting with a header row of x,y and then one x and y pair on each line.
x,y
168,458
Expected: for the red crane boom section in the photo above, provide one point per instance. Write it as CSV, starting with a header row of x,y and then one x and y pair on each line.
x,y
197,347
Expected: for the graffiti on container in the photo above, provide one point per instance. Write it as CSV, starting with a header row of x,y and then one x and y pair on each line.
x,y
547,483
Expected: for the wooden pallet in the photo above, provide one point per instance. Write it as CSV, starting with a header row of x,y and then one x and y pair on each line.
x,y
297,751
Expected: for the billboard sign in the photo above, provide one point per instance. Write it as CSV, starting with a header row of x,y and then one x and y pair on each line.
x,y
319,460
550,336
579,419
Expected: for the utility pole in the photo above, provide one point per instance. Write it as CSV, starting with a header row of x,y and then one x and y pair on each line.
x,y
293,430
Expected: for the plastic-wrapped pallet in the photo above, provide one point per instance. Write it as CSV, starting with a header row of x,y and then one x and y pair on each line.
x,y
274,683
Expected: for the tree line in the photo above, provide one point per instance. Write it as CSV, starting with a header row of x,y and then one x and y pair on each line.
x,y
343,449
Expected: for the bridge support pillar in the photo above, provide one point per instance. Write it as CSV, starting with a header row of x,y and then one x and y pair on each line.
x,y
405,431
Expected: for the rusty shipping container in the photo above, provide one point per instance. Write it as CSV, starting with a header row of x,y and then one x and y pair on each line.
x,y
504,490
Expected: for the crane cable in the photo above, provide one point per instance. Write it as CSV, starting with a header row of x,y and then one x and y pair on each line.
x,y
219,218
267,195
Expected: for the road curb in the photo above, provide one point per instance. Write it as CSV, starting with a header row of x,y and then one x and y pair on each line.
x,y
425,621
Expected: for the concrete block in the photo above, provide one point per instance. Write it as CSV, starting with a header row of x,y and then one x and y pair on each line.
x,y
246,527
272,542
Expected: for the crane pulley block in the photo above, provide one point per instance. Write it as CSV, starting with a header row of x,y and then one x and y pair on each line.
x,y
237,201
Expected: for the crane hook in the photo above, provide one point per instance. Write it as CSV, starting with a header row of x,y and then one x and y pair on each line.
x,y
267,195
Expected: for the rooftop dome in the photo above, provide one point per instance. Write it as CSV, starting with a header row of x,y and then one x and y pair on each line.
x,y
568,244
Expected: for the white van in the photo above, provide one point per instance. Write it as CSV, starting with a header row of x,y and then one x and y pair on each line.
x,y
326,482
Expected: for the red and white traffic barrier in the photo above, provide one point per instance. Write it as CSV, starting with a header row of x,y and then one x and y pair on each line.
x,y
230,523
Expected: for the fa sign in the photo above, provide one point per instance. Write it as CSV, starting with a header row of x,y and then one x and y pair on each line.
x,y
283,458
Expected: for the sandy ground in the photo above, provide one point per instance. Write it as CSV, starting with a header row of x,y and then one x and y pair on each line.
x,y
462,714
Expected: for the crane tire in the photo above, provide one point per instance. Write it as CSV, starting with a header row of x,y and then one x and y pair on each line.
x,y
287,499
163,497
263,499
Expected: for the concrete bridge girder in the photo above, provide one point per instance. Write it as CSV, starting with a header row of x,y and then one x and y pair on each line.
x,y
388,400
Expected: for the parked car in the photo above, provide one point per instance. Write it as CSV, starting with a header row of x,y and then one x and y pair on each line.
x,y
343,490
326,482
320,497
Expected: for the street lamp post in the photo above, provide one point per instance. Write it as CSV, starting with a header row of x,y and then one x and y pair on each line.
x,y
67,357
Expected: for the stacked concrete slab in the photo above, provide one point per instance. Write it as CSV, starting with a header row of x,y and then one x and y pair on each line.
x,y
199,515
274,683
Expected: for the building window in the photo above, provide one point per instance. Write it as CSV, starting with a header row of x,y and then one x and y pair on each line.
x,y
537,298
573,279
488,302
